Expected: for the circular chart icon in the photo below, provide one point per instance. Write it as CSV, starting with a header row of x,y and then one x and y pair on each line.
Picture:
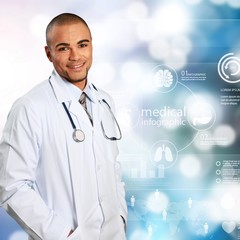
x,y
229,68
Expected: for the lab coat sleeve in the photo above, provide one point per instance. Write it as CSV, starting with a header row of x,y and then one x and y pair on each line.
x,y
19,157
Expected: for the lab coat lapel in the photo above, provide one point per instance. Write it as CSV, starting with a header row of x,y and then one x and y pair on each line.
x,y
63,94
77,110
95,108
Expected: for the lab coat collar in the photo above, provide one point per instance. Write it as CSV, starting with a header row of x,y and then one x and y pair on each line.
x,y
67,92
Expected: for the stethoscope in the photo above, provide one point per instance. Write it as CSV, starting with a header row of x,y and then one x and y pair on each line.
x,y
79,136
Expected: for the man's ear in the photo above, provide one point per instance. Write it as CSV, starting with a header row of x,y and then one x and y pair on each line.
x,y
48,53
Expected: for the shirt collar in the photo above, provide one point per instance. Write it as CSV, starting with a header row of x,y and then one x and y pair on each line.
x,y
89,90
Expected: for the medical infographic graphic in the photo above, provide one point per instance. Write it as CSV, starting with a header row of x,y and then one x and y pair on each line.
x,y
173,70
184,182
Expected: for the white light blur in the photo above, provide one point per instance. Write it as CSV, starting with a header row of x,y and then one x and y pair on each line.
x,y
120,32
139,234
23,78
145,85
190,166
234,3
18,235
168,20
193,2
228,201
115,31
202,141
7,86
38,25
172,51
201,100
182,42
147,88
214,211
224,135
157,202
171,19
177,59
102,73
145,30
132,73
194,101
159,48
99,33
137,10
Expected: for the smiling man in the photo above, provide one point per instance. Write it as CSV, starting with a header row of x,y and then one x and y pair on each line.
x,y
59,175
69,48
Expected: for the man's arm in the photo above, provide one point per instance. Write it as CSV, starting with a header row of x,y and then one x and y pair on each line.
x,y
19,158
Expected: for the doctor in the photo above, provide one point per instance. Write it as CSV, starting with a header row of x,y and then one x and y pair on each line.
x,y
59,178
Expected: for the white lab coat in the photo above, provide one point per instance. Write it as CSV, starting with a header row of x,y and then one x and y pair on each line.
x,y
49,183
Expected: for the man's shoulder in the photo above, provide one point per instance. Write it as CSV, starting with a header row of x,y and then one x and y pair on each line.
x,y
38,90
38,94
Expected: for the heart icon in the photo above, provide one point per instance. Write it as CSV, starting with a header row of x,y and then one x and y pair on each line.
x,y
228,226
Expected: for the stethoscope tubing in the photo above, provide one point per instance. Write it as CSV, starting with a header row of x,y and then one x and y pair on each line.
x,y
69,116
78,134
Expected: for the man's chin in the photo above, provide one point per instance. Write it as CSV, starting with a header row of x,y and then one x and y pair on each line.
x,y
79,82
76,79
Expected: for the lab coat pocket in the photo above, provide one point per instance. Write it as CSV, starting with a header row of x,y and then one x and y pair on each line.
x,y
75,235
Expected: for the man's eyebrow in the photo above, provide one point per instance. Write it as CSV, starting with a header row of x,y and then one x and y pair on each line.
x,y
82,41
62,44
67,44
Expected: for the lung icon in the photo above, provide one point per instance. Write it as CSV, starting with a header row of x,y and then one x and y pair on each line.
x,y
163,153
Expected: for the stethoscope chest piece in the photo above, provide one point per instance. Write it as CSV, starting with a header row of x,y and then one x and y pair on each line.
x,y
78,135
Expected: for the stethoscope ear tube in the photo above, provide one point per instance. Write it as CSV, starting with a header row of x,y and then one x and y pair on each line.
x,y
116,122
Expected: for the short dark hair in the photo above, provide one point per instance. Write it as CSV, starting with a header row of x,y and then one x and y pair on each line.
x,y
62,19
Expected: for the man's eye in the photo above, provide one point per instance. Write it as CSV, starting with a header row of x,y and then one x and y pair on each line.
x,y
82,45
63,49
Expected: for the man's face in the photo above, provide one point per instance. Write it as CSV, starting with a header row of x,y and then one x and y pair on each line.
x,y
70,51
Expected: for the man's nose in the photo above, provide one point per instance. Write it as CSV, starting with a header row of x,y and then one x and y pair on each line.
x,y
75,54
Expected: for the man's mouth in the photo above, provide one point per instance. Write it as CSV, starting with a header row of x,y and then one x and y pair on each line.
x,y
76,67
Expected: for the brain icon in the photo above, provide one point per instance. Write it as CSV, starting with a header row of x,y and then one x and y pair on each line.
x,y
163,78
